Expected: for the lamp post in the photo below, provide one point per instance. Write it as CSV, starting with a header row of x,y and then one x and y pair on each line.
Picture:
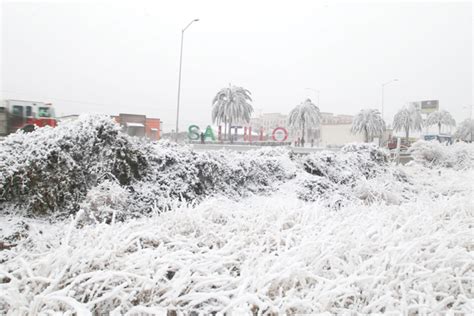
x,y
317,94
179,77
383,86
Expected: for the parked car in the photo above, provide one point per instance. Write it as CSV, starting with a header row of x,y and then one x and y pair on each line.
x,y
444,139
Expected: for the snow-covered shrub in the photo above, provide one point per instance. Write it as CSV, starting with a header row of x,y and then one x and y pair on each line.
x,y
428,153
434,154
370,152
352,161
461,156
337,174
52,169
374,190
177,172
328,164
105,202
320,188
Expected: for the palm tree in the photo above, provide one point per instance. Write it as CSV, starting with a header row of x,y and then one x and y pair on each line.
x,y
369,122
305,115
231,105
408,118
439,118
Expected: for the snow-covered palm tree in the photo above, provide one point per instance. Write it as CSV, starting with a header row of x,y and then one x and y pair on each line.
x,y
408,118
232,105
465,130
439,118
369,122
305,115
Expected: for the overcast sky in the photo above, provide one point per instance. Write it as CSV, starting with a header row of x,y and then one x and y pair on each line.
x,y
111,58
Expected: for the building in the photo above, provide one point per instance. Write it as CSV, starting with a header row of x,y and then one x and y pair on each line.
x,y
334,131
334,135
268,122
139,125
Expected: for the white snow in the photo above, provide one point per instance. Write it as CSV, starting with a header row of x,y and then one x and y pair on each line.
x,y
263,254
260,232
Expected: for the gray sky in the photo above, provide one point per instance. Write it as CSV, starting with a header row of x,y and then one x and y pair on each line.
x,y
109,57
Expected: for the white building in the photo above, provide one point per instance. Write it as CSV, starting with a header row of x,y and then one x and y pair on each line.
x,y
334,131
338,135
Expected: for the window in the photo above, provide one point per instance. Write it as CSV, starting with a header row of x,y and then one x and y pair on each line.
x,y
17,110
44,112
29,111
2,109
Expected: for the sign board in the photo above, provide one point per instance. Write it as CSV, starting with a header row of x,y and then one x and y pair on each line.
x,y
279,134
429,106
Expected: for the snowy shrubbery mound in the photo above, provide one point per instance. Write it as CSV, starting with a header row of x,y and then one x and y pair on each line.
x,y
353,173
178,173
434,154
90,164
52,169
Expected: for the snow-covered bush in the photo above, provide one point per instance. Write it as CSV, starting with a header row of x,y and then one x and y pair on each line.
x,y
434,154
105,202
177,172
351,162
335,174
428,153
370,152
465,131
52,169
320,188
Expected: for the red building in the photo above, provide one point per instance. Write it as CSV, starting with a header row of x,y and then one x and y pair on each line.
x,y
140,125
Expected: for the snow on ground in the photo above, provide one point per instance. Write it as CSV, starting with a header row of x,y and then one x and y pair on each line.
x,y
259,254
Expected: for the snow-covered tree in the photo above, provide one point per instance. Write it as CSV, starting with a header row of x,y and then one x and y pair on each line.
x,y
232,105
305,115
369,122
439,118
408,118
465,130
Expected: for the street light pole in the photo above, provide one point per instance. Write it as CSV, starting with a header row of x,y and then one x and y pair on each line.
x,y
383,96
179,76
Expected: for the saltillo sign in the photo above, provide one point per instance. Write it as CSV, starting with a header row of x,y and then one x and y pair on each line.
x,y
279,134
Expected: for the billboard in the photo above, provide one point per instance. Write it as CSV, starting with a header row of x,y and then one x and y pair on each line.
x,y
429,106
426,107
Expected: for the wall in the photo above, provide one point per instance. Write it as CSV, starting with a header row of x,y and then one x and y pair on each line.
x,y
337,135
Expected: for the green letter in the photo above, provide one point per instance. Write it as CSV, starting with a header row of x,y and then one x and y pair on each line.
x,y
193,132
209,133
